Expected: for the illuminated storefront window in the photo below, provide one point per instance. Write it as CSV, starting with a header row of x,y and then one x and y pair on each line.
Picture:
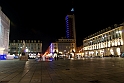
x,y
118,51
119,42
111,51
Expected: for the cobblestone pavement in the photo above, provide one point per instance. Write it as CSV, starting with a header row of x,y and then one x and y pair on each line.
x,y
86,70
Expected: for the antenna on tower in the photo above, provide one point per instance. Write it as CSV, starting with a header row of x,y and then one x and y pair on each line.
x,y
72,10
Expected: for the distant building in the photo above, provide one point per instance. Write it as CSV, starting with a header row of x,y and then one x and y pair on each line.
x,y
32,47
63,46
79,49
4,33
109,41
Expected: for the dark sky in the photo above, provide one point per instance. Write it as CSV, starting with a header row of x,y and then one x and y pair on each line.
x,y
45,20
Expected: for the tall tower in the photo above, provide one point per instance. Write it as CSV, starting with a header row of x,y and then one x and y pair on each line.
x,y
70,25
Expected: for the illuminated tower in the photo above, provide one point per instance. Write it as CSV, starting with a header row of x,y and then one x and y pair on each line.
x,y
70,25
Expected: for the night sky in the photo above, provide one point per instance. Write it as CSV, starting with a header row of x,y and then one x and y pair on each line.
x,y
45,20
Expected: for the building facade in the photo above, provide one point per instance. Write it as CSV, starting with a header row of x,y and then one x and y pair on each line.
x,y
32,47
4,33
106,42
63,46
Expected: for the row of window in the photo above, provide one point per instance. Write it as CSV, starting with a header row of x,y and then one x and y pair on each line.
x,y
104,45
21,44
26,41
103,38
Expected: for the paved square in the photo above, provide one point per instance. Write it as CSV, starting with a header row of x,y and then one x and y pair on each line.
x,y
86,70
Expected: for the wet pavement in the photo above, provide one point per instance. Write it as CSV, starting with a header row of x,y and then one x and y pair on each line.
x,y
86,70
